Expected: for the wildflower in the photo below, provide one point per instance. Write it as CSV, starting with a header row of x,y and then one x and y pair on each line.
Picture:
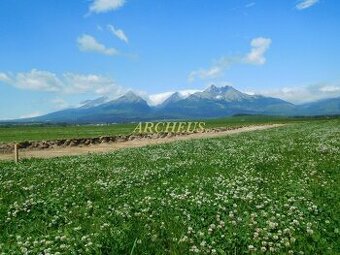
x,y
310,231
194,249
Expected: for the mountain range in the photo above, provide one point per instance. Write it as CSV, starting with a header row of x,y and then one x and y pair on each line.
x,y
213,102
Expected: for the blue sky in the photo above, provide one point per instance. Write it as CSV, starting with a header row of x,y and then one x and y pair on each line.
x,y
57,53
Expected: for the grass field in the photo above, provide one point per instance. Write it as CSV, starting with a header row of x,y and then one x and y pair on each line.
x,y
266,192
45,132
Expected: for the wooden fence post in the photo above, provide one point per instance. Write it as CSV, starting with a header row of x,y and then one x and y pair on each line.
x,y
16,153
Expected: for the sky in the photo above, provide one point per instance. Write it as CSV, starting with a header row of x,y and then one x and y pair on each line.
x,y
55,54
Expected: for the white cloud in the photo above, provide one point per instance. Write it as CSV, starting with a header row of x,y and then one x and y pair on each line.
x,y
302,94
156,99
304,4
36,80
4,77
259,46
330,89
159,98
30,115
67,83
81,83
118,33
89,43
59,103
250,93
188,92
99,6
210,73
249,5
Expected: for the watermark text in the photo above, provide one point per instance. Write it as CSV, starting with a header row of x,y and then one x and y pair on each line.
x,y
169,127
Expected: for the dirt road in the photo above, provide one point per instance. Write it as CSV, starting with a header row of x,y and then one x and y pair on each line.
x,y
101,148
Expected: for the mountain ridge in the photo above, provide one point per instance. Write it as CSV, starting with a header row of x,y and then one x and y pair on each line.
x,y
212,102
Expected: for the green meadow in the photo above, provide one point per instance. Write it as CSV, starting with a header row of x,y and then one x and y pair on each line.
x,y
31,132
274,191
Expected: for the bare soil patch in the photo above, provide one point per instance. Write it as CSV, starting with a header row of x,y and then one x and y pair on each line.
x,y
108,147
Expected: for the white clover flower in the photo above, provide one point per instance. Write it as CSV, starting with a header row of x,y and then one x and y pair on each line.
x,y
183,239
89,244
272,225
194,249
310,231
154,238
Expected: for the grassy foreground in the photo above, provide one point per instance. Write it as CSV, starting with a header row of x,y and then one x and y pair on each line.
x,y
266,192
21,133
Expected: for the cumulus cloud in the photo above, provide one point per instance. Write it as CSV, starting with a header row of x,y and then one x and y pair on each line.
x,y
81,83
90,44
303,94
100,6
67,83
35,80
304,4
259,46
119,33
